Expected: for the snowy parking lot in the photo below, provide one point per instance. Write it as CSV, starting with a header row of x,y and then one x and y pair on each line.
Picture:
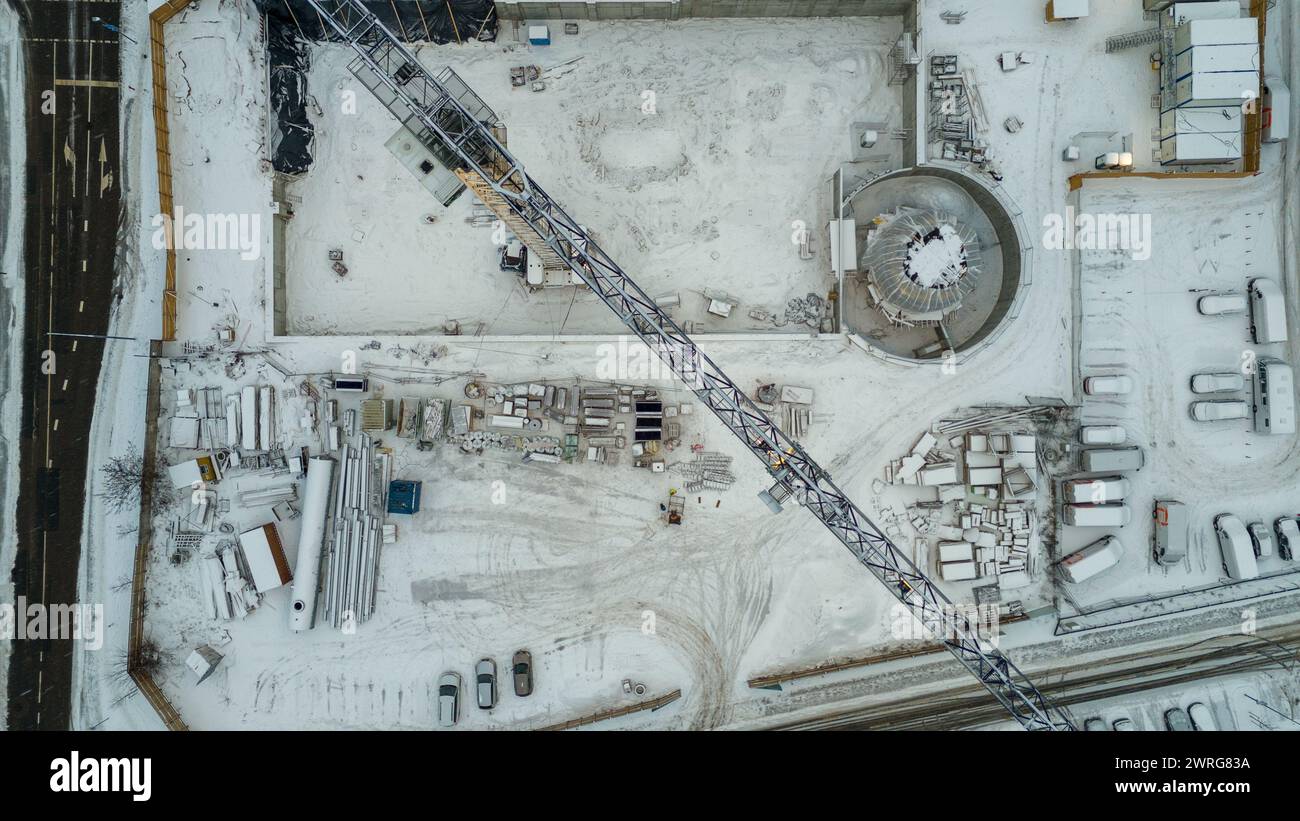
x,y
1139,318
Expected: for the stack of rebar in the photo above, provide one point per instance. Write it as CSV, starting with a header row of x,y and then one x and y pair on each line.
x,y
354,539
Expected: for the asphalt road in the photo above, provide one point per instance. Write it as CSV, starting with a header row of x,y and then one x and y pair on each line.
x,y
73,208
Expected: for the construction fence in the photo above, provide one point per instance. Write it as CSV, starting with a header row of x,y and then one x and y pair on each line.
x,y
136,642
158,54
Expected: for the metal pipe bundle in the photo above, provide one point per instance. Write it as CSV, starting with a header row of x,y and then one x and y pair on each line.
x,y
353,576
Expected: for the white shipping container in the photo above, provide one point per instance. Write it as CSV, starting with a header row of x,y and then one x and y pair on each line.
x,y
1215,59
1200,148
1204,10
1215,33
1212,89
1209,120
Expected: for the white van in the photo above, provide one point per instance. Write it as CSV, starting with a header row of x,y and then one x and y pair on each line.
x,y
1234,542
1218,410
1112,385
1267,312
1112,460
1169,539
1082,565
1221,304
1274,396
1111,515
1095,491
1102,435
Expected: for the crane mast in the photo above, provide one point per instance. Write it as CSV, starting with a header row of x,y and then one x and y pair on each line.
x,y
455,125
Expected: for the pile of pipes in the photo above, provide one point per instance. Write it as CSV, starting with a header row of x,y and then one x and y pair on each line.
x,y
356,532
224,578
707,471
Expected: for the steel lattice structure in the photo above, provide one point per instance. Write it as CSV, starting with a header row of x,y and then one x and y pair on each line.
x,y
444,113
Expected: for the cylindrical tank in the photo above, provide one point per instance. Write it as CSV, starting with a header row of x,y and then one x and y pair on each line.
x,y
306,574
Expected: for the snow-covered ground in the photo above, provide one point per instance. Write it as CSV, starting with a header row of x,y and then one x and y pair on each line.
x,y
689,149
572,561
12,153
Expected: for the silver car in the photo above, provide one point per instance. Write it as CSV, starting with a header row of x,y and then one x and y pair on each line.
x,y
1261,538
485,683
448,699
1222,382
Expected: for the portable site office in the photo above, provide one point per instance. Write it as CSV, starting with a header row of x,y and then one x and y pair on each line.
x,y
1267,312
1274,395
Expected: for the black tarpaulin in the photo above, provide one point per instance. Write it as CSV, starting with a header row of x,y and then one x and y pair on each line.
x,y
288,62
434,21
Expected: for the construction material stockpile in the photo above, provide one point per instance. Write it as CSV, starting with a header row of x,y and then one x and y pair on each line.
x,y
356,535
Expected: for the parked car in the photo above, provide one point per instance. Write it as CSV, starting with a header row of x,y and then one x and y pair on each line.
x,y
1202,718
1177,721
1169,535
1093,724
1219,410
1234,543
1096,491
1221,382
448,699
485,683
1288,537
1102,435
1124,725
1261,538
1113,385
1097,557
1222,304
521,667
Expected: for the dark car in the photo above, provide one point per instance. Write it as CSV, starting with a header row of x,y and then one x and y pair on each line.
x,y
521,667
1177,720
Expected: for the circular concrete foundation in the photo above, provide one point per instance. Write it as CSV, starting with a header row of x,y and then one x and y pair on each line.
x,y
990,303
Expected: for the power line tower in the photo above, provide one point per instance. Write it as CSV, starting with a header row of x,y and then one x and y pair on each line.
x,y
456,127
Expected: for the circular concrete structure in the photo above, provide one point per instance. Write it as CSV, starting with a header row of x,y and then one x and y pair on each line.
x,y
945,267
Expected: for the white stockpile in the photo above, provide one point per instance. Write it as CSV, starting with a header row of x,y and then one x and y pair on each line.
x,y
356,533
982,523
227,591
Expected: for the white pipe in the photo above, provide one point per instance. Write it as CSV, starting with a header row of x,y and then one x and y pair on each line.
x,y
306,575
